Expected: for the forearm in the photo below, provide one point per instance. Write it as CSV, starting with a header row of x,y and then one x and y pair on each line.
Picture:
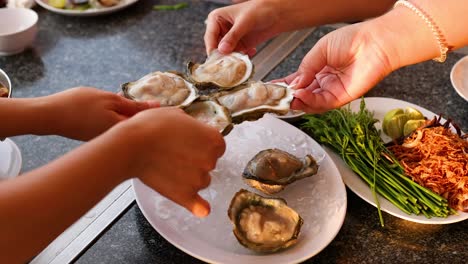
x,y
23,116
37,206
306,13
408,39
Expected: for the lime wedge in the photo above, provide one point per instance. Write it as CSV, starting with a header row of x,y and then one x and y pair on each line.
x,y
413,114
388,117
412,125
395,126
58,3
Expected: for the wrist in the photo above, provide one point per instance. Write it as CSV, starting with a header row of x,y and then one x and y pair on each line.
x,y
404,36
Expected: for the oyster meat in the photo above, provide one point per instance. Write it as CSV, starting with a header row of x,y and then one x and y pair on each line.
x,y
221,71
252,100
167,88
271,170
263,224
211,113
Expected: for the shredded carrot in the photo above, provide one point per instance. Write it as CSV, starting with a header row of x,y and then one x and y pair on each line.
x,y
437,160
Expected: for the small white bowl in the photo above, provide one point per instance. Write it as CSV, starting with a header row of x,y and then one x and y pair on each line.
x,y
18,29
5,81
459,77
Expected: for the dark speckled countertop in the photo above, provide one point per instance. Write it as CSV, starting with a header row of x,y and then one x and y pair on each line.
x,y
109,50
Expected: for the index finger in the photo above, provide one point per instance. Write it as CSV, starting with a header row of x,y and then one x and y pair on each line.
x,y
212,32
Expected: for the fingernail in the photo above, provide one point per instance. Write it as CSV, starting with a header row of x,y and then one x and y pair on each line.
x,y
153,104
200,210
224,47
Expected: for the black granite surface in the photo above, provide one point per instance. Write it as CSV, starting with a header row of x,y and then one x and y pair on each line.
x,y
109,50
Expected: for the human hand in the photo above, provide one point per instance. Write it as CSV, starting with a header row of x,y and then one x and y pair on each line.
x,y
341,67
241,27
175,154
83,113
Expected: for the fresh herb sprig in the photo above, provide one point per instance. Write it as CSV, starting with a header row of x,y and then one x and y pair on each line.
x,y
354,137
170,7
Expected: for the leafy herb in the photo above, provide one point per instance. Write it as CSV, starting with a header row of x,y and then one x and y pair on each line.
x,y
170,7
354,137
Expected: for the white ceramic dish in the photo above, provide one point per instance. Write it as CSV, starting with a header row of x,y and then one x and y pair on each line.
x,y
10,159
18,29
459,77
380,106
320,199
88,12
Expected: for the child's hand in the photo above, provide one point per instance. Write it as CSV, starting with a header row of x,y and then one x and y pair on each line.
x,y
173,153
83,113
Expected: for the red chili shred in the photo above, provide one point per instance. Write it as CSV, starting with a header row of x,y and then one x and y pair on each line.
x,y
437,161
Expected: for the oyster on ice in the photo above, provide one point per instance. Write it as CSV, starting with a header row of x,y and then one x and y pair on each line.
x,y
211,113
263,224
252,100
221,71
271,170
167,88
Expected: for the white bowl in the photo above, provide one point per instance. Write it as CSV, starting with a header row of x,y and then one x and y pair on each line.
x,y
18,28
5,81
459,77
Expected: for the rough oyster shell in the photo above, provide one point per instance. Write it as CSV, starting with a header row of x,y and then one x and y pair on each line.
x,y
253,99
271,170
167,88
263,224
221,71
211,113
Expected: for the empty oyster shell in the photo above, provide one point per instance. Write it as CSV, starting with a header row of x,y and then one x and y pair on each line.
x,y
263,224
253,99
211,113
271,170
167,88
221,71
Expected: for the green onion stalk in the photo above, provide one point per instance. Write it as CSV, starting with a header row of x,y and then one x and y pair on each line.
x,y
355,138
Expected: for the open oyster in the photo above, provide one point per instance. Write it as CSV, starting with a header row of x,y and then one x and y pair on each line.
x,y
221,71
272,169
263,224
167,88
252,100
211,113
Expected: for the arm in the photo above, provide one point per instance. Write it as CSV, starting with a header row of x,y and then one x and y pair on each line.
x,y
243,26
79,113
165,155
348,62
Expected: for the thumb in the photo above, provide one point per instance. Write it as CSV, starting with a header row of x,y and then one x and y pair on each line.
x,y
311,64
198,206
129,107
233,38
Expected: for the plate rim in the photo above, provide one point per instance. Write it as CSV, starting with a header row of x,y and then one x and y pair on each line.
x,y
457,89
88,12
332,235
384,202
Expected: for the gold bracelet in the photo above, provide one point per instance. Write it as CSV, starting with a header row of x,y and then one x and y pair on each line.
x,y
441,41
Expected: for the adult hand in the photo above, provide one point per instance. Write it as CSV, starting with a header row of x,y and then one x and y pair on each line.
x,y
175,153
241,27
83,113
341,67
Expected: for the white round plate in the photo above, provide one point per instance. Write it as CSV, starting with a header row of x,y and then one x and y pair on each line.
x,y
380,106
10,159
88,12
459,77
320,199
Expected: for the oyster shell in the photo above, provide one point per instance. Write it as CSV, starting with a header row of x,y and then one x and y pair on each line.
x,y
221,71
252,100
211,113
263,224
168,88
271,170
